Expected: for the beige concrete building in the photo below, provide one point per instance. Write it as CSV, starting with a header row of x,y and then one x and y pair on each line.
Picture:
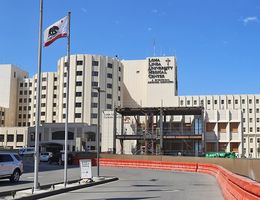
x,y
10,75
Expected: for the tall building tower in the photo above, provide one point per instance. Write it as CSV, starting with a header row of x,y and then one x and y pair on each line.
x,y
10,75
87,72
150,82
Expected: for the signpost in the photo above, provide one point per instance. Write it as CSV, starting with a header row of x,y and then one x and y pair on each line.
x,y
85,169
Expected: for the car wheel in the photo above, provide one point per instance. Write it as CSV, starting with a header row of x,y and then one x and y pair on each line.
x,y
15,176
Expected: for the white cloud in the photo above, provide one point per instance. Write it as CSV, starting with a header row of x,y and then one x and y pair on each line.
x,y
253,19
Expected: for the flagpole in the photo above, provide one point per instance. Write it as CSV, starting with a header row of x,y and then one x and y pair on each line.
x,y
37,121
67,105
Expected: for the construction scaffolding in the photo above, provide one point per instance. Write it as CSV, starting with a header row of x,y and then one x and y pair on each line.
x,y
162,130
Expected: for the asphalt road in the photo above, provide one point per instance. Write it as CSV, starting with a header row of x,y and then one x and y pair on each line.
x,y
149,184
132,184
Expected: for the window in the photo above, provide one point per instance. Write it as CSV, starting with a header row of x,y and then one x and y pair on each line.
x,y
236,101
109,65
243,110
244,130
19,138
222,101
109,75
257,119
77,105
77,115
24,108
119,98
94,73
20,116
94,94
257,101
109,85
109,106
257,110
20,107
10,138
2,138
53,113
188,102
43,104
250,101
55,78
119,69
21,84
55,96
25,100
30,92
64,95
244,119
24,115
93,115
94,105
201,102
20,100
78,94
215,101
181,103
43,96
94,63
63,116
243,101
109,96
95,84
64,84
60,135
251,150
6,158
251,140
208,102
250,119
119,78
250,129
42,113
258,129
79,73
44,79
65,74
250,110
258,140
78,83
64,105
229,101
55,87
79,62
54,104
21,92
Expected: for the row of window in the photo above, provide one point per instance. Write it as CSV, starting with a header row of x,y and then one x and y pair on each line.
x,y
251,129
10,138
251,140
251,120
195,102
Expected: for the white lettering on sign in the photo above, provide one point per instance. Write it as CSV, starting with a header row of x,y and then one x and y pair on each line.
x,y
85,168
157,73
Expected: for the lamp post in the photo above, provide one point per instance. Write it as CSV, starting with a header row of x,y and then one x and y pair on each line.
x,y
98,128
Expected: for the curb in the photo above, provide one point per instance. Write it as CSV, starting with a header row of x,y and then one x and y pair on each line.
x,y
55,192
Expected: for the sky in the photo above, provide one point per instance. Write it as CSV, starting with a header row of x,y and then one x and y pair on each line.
x,y
216,42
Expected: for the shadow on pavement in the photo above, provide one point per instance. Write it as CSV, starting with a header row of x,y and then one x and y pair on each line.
x,y
8,183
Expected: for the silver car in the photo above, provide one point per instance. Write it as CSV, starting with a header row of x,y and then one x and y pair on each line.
x,y
11,166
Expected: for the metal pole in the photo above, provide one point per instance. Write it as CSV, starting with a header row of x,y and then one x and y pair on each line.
x,y
67,106
98,127
37,121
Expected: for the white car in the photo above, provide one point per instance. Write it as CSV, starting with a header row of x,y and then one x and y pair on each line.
x,y
11,166
45,156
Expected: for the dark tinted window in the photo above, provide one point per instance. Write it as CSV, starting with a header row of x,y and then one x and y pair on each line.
x,y
5,158
17,157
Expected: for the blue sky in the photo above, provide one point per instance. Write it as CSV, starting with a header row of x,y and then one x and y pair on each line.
x,y
217,42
